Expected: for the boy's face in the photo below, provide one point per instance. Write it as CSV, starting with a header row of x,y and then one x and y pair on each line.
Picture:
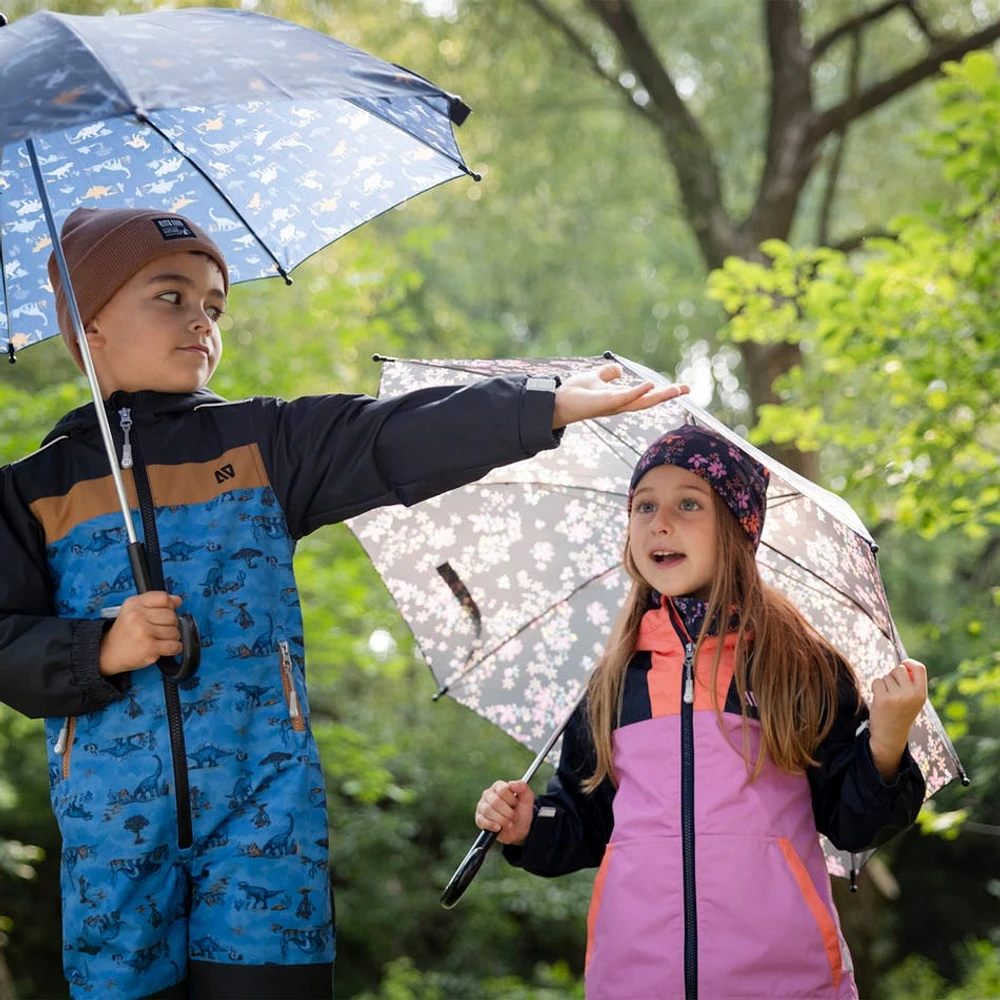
x,y
160,330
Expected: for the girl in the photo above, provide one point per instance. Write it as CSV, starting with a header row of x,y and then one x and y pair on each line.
x,y
701,765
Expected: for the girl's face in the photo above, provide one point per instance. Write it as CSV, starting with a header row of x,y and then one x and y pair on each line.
x,y
671,532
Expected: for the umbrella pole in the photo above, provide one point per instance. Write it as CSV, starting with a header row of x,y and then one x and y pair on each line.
x,y
136,551
81,339
473,861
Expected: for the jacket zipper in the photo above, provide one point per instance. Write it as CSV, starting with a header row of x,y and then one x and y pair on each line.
x,y
132,454
687,828
687,812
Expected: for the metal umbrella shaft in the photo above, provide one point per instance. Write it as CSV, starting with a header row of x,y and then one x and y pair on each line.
x,y
190,638
473,861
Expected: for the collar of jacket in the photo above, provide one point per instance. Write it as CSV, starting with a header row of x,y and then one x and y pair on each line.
x,y
143,404
691,611
659,632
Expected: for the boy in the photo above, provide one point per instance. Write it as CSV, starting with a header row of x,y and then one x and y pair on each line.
x,y
193,814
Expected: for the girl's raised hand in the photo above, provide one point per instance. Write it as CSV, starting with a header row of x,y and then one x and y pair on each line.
x,y
896,702
590,394
506,809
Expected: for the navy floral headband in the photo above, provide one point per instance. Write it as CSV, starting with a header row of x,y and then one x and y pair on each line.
x,y
739,480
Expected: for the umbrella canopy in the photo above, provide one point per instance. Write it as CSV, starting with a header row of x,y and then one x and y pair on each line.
x,y
274,138
510,584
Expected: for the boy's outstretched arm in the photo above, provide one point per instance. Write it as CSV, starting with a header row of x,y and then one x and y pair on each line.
x,y
591,394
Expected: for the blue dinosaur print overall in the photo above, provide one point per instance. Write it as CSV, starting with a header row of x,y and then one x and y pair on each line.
x,y
253,885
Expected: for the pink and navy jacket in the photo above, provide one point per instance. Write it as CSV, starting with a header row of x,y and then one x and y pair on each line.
x,y
711,885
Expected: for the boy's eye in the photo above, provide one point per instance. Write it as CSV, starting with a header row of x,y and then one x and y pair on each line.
x,y
215,313
689,504
644,507
173,298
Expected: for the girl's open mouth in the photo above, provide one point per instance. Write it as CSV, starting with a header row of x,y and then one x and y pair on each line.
x,y
666,558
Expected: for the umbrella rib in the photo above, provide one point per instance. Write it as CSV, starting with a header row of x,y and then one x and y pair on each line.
x,y
388,121
465,671
848,599
145,120
6,303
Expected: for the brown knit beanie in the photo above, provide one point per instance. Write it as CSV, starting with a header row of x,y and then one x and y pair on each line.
x,y
106,247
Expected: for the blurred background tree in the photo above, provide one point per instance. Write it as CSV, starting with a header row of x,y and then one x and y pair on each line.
x,y
628,149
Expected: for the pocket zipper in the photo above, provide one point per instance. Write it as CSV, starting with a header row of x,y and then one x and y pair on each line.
x,y
288,685
64,743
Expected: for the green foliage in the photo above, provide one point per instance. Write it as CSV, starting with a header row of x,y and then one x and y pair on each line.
x,y
916,978
403,981
903,375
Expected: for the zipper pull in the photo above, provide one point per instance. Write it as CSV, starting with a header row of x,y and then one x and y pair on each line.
x,y
689,674
288,670
60,747
125,422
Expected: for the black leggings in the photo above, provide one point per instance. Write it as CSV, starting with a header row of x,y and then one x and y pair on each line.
x,y
215,981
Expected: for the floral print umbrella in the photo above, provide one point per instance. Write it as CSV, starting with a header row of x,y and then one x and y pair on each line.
x,y
510,584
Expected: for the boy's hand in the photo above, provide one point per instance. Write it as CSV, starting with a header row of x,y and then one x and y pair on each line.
x,y
146,629
505,808
588,394
896,701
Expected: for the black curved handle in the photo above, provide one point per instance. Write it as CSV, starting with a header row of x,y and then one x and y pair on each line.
x,y
190,654
466,871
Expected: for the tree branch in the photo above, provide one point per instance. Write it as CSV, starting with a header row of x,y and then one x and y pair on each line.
x,y
688,148
854,24
788,158
857,240
583,48
833,175
874,97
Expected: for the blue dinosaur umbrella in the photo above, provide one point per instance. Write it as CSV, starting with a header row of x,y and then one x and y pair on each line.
x,y
274,138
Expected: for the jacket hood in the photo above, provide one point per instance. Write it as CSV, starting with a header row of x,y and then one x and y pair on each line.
x,y
84,418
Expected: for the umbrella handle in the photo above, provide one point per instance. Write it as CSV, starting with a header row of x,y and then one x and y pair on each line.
x,y
466,871
190,636
190,652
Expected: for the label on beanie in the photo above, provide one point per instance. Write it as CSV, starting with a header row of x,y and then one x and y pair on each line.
x,y
173,229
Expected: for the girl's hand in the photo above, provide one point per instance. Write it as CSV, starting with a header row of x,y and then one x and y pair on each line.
x,y
896,702
146,629
505,808
588,394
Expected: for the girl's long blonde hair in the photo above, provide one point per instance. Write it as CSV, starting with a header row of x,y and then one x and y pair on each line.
x,y
794,668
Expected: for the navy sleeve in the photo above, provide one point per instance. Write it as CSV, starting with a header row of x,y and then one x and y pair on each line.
x,y
853,806
48,665
333,457
571,828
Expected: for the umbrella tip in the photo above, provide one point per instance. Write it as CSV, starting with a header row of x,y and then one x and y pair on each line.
x,y
609,355
10,346
3,19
